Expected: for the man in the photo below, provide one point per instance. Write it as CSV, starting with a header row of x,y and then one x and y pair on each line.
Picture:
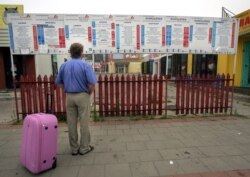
x,y
79,81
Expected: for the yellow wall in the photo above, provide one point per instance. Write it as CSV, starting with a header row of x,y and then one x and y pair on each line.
x,y
225,63
3,7
189,64
111,67
134,67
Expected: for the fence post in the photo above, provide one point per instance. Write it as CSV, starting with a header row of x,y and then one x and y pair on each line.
x,y
29,85
117,93
177,94
222,92
198,87
122,95
40,94
139,94
217,93
232,95
183,88
149,94
45,84
227,92
106,96
128,95
202,93
133,94
188,81
160,95
23,98
34,93
193,78
52,88
155,94
111,94
212,95
207,88
144,88
100,95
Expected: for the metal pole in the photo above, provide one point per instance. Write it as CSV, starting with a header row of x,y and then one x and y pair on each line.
x,y
167,64
93,60
12,66
236,44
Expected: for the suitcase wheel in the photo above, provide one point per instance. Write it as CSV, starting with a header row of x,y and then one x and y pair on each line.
x,y
54,164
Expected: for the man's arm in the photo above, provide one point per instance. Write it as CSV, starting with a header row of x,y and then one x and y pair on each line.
x,y
91,88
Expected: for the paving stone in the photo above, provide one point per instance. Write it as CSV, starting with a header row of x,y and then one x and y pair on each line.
x,y
9,163
168,168
71,171
135,146
127,157
149,155
192,166
155,145
105,158
143,169
236,162
121,170
115,132
211,151
141,138
215,164
92,171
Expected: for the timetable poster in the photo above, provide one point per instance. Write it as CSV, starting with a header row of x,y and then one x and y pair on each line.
x,y
76,30
152,36
223,38
200,33
177,34
99,29
124,34
22,34
50,33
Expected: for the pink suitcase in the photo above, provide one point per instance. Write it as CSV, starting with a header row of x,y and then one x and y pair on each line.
x,y
39,142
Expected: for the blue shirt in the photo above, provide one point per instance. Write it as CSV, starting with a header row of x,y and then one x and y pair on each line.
x,y
76,75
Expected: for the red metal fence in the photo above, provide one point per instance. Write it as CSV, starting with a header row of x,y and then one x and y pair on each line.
x,y
131,95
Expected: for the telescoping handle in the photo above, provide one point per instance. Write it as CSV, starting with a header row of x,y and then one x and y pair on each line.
x,y
49,105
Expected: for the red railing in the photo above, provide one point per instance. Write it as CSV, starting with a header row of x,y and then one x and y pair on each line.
x,y
40,95
131,95
204,95
128,95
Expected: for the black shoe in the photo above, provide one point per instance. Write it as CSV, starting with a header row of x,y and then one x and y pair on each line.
x,y
91,148
74,153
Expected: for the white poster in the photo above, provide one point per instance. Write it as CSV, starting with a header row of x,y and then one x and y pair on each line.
x,y
77,30
50,32
101,33
152,34
177,34
22,34
223,35
43,33
200,33
124,34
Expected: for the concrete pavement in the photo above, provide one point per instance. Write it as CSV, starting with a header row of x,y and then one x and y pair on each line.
x,y
202,147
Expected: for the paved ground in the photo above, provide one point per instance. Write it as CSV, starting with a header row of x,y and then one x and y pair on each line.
x,y
145,148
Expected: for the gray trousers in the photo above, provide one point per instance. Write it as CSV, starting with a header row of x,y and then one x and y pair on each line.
x,y
78,108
